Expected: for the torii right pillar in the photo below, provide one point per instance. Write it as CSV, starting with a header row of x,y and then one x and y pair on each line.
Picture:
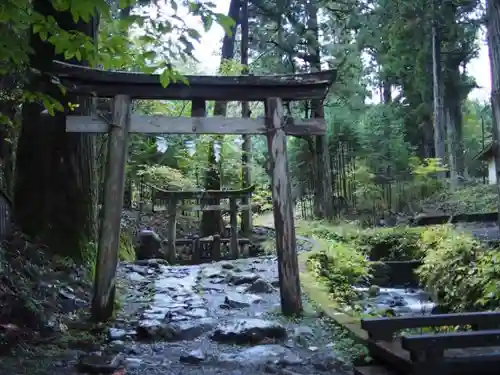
x,y
286,249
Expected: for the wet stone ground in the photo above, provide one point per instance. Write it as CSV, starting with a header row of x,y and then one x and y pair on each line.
x,y
218,318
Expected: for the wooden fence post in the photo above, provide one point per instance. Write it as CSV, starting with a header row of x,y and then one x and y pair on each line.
x,y
216,247
233,207
172,230
196,250
109,234
288,268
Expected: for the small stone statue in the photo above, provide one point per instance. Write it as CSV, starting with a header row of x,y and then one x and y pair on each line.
x,y
149,245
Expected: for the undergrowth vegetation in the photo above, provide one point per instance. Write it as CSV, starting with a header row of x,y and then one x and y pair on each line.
x,y
466,199
40,291
457,270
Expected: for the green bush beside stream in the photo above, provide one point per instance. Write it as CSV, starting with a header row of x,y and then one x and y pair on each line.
x,y
456,269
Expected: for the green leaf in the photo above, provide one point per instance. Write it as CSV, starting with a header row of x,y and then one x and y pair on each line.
x,y
75,15
194,34
63,89
194,7
48,106
58,106
150,55
226,22
207,22
165,77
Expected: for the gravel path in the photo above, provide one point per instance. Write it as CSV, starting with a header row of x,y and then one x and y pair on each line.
x,y
216,318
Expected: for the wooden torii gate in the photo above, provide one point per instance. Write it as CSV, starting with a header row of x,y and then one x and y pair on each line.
x,y
126,86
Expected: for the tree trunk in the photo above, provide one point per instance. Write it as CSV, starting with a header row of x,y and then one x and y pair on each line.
x,y
324,188
427,129
439,127
55,193
493,24
211,221
453,114
386,91
7,134
246,147
127,195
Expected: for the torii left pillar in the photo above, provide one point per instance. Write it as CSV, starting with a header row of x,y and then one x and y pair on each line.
x,y
284,223
109,233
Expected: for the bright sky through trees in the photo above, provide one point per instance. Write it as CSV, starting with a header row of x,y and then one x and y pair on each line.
x,y
208,51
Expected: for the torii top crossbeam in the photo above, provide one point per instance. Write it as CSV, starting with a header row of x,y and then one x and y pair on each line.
x,y
101,83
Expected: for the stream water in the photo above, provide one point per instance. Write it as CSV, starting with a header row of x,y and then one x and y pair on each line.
x,y
395,301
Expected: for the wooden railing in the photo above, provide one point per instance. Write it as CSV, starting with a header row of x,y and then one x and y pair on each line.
x,y
426,353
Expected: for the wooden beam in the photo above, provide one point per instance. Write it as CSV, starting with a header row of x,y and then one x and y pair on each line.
x,y
291,301
102,83
160,194
194,125
109,234
451,340
213,207
384,328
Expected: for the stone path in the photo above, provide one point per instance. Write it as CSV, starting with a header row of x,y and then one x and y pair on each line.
x,y
219,318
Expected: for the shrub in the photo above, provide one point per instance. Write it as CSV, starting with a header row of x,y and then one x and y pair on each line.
x,y
339,266
164,177
465,199
346,232
457,270
450,268
400,243
262,200
487,279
